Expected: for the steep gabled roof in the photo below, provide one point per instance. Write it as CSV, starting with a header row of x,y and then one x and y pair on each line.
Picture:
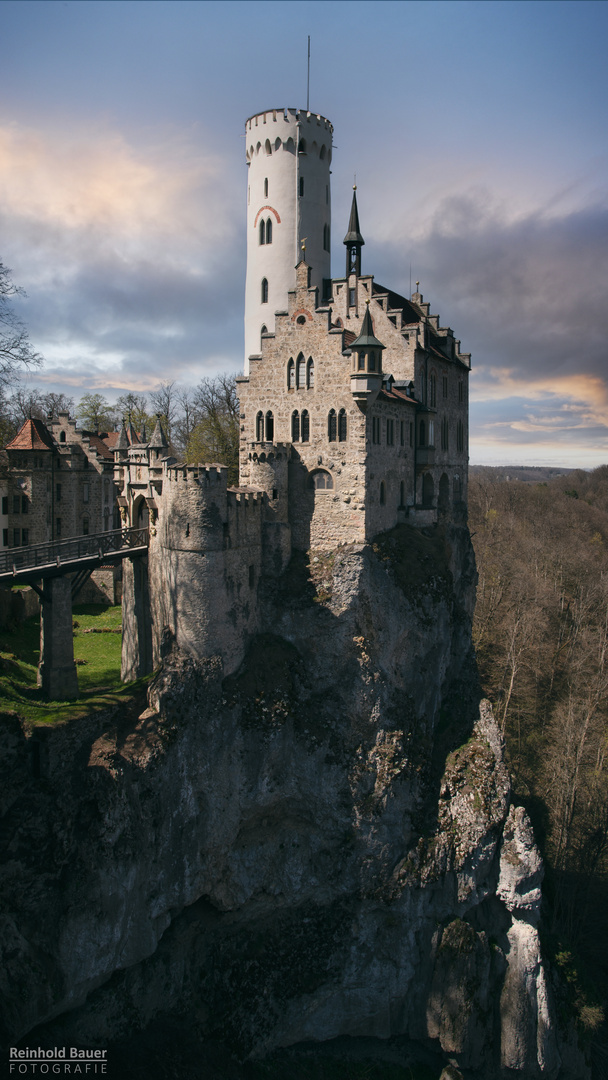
x,y
102,445
32,435
411,313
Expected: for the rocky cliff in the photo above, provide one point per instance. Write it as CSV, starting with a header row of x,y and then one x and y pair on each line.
x,y
318,845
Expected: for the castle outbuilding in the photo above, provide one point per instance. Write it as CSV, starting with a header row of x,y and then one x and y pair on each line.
x,y
353,417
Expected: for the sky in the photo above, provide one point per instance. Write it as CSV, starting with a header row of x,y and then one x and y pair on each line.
x,y
477,132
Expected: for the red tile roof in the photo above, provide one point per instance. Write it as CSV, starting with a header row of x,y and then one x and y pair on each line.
x,y
33,435
397,395
103,444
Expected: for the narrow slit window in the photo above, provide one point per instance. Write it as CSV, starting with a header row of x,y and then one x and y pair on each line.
x,y
310,373
305,426
332,425
269,231
295,427
264,291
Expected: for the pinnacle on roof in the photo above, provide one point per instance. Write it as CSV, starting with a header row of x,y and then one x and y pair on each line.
x,y
159,439
123,440
353,235
32,435
132,435
367,339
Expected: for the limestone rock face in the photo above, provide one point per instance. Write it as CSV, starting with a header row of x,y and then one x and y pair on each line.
x,y
521,868
318,844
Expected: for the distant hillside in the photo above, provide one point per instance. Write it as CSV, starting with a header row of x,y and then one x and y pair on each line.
x,y
531,474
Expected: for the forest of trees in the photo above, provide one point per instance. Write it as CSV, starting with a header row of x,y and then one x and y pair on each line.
x,y
541,636
201,422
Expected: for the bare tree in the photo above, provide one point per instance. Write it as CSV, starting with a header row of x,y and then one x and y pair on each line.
x,y
164,401
216,435
16,351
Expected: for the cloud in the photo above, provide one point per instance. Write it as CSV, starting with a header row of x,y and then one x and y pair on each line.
x,y
526,293
125,252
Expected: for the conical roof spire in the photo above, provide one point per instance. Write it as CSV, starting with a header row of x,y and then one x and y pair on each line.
x,y
132,435
123,442
367,338
353,235
159,439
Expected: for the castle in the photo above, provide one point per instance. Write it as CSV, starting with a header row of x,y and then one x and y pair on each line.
x,y
353,412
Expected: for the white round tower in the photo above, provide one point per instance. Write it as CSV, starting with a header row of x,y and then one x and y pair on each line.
x,y
288,201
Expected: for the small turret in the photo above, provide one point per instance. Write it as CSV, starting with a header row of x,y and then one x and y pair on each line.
x,y
123,441
159,439
353,239
132,435
366,374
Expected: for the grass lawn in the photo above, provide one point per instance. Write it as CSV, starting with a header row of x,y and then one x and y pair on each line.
x,y
98,670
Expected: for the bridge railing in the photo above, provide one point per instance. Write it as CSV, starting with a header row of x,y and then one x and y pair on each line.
x,y
71,549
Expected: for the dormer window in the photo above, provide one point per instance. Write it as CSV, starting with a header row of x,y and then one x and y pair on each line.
x,y
62,436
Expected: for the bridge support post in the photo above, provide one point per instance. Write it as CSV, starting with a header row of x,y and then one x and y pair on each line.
x,y
136,620
57,671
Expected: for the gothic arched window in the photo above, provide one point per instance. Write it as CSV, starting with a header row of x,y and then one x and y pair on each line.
x,y
269,426
259,427
322,480
295,427
305,427
263,331
269,231
300,373
291,375
310,373
342,425
331,425
264,291
262,232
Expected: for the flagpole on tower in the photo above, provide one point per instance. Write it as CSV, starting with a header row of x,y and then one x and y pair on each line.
x,y
308,79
